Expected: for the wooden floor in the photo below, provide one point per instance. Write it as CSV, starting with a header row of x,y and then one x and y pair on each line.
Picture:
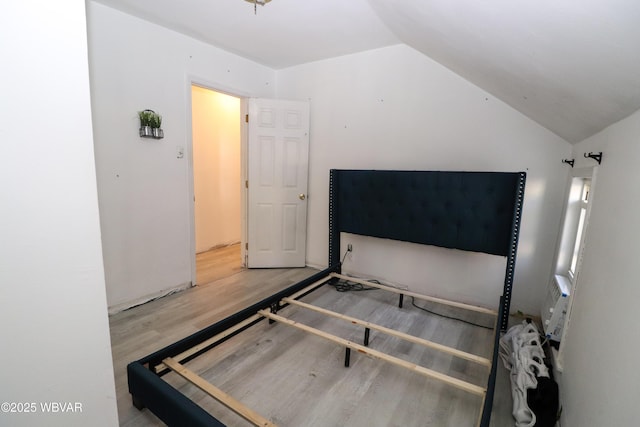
x,y
218,263
309,378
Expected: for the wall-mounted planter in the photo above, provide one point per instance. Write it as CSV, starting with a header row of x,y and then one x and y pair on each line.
x,y
146,132
150,124
158,133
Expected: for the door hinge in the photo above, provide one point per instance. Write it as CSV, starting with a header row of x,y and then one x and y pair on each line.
x,y
246,184
246,118
246,246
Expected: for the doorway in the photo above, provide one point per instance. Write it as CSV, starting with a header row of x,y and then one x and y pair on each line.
x,y
217,177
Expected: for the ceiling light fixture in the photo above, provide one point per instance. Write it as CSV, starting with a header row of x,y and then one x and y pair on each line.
x,y
256,3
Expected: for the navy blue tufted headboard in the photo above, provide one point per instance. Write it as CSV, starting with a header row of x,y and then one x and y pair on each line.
x,y
471,211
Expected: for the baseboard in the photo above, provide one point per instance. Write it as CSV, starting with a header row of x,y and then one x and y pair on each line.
x,y
142,300
316,266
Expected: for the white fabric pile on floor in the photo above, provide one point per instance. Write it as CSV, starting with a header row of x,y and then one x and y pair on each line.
x,y
522,354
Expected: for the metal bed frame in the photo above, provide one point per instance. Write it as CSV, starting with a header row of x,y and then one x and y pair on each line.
x,y
377,203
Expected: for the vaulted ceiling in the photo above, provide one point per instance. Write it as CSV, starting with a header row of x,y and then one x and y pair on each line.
x,y
573,66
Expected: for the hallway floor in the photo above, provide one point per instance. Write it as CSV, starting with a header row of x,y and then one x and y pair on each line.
x,y
218,263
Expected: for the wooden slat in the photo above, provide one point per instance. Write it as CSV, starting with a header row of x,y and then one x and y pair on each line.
x,y
416,295
222,397
463,385
193,350
417,340
204,344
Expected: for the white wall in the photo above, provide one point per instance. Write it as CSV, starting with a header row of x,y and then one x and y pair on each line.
x,y
386,108
53,315
395,108
599,384
145,191
216,168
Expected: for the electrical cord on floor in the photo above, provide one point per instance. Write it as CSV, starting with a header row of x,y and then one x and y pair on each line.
x,y
347,286
413,303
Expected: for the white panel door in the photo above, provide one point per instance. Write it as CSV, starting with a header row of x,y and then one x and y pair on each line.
x,y
278,150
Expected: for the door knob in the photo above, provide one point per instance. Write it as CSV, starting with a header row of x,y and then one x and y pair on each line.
x,y
302,196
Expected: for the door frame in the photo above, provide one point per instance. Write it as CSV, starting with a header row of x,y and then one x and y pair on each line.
x,y
192,80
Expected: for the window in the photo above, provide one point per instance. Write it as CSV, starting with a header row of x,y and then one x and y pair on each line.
x,y
574,227
583,203
570,247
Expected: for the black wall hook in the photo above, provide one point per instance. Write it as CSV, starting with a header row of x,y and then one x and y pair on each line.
x,y
569,162
595,156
